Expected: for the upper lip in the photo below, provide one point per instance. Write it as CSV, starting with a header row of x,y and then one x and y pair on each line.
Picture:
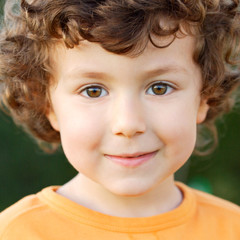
x,y
130,155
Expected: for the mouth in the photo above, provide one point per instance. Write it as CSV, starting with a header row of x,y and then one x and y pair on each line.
x,y
131,160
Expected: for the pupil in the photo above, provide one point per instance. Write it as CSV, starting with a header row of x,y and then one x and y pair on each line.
x,y
160,89
94,92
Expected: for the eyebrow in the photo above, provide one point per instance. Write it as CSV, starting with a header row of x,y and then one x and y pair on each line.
x,y
76,73
95,75
164,70
146,74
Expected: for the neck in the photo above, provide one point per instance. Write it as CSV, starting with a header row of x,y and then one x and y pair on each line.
x,y
163,198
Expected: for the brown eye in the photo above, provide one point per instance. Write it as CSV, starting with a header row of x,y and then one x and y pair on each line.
x,y
94,92
159,89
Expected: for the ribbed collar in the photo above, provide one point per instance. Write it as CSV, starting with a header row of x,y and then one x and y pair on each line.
x,y
83,215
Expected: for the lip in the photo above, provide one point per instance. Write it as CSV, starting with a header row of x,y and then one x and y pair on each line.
x,y
131,160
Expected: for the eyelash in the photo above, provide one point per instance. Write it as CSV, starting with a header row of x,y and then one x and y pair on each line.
x,y
102,92
169,88
85,94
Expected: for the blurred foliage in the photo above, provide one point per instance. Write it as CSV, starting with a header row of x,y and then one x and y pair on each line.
x,y
1,6
25,169
219,172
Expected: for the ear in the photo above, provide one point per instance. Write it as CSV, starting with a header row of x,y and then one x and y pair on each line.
x,y
202,111
53,120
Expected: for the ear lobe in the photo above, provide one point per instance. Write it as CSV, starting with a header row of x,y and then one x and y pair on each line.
x,y
202,111
53,120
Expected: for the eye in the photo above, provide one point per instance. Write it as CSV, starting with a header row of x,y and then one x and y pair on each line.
x,y
93,92
159,88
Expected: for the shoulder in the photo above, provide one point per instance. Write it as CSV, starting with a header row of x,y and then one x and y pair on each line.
x,y
216,204
211,216
19,214
214,209
218,214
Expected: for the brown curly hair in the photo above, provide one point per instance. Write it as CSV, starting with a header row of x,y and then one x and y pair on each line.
x,y
31,30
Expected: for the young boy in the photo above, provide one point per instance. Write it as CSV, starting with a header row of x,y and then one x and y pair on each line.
x,y
122,85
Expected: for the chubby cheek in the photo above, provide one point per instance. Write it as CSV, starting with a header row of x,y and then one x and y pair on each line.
x,y
177,131
183,140
81,133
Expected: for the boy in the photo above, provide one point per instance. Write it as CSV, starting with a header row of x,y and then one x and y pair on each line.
x,y
122,85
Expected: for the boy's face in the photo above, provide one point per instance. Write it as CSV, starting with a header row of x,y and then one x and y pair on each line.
x,y
109,109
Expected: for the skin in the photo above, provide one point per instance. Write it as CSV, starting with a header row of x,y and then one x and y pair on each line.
x,y
128,117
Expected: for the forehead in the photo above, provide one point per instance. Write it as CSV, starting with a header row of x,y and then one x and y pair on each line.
x,y
91,57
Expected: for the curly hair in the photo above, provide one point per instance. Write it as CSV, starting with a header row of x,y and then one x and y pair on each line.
x,y
31,30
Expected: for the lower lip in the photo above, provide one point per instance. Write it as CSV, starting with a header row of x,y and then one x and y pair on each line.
x,y
133,161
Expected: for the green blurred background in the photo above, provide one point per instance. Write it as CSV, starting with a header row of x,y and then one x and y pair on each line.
x,y
25,169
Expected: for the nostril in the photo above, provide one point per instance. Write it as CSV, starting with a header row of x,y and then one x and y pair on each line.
x,y
128,119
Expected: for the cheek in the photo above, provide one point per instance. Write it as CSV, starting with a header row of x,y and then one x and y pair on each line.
x,y
183,139
81,133
177,130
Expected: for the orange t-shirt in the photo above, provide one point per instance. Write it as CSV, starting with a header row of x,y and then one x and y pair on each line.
x,y
50,216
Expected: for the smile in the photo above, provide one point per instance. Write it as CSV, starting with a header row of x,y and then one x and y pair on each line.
x,y
131,160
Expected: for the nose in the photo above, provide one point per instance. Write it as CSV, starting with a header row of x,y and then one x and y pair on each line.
x,y
128,118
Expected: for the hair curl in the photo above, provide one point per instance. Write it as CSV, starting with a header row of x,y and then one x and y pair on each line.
x,y
31,30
